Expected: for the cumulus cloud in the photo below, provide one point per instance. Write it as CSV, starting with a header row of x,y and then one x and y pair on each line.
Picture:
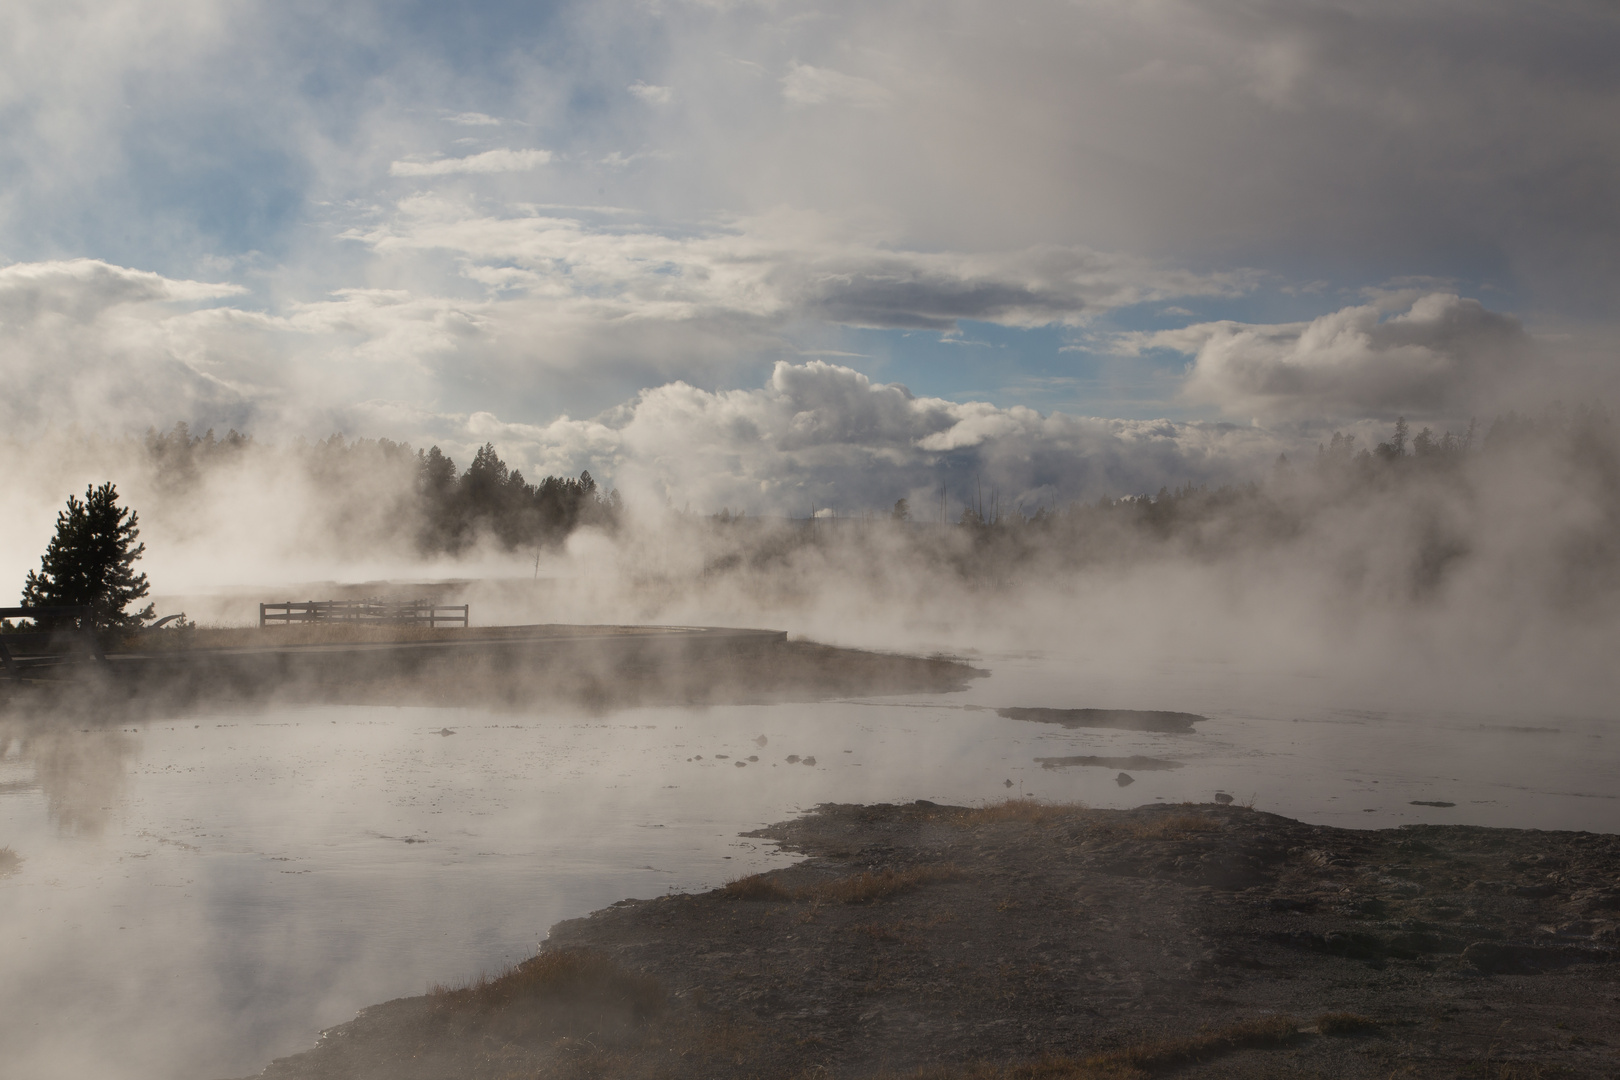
x,y
490,161
1439,356
825,435
86,342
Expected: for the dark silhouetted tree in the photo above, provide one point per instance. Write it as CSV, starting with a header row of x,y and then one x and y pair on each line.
x,y
91,561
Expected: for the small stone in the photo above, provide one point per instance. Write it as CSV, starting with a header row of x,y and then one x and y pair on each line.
x,y
1223,798
1124,779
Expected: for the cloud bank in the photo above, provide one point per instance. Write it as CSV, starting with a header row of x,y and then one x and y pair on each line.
x,y
1444,355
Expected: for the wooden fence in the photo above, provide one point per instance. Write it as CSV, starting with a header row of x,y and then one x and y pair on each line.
x,y
318,611
82,632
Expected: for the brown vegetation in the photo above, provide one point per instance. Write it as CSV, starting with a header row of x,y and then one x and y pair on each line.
x,y
577,976
1024,811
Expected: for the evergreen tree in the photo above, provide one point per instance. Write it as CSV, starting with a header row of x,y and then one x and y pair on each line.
x,y
91,561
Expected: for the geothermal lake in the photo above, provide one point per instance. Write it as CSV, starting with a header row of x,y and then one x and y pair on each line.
x,y
196,896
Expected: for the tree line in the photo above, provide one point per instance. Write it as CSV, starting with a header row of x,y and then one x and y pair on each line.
x,y
1422,492
373,485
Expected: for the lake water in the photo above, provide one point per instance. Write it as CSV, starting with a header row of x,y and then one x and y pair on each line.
x,y
194,897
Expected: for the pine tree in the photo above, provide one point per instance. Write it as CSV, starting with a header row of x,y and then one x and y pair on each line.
x,y
91,561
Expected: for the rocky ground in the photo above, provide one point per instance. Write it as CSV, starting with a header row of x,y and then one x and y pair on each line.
x,y
1034,941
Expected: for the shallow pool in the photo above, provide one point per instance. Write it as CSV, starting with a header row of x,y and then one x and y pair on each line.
x,y
193,897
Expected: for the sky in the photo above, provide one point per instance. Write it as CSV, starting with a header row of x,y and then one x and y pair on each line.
x,y
768,252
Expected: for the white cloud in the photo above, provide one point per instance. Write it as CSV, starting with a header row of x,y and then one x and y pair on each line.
x,y
473,119
786,266
652,95
1438,356
806,85
490,161
822,433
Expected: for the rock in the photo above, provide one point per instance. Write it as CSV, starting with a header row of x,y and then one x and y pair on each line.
x,y
1124,779
761,741
1223,798
793,759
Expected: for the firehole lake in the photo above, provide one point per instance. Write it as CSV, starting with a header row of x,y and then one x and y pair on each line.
x,y
194,896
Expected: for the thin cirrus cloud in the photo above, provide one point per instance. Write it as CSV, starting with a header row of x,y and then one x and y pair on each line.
x,y
807,85
785,266
490,161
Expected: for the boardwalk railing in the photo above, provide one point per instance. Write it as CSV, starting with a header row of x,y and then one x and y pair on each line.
x,y
318,611
82,630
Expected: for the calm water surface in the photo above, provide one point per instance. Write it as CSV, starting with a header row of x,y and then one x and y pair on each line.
x,y
194,897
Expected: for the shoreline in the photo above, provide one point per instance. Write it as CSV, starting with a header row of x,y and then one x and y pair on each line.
x,y
1045,941
522,667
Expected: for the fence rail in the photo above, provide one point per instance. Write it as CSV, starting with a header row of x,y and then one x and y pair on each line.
x,y
318,611
83,630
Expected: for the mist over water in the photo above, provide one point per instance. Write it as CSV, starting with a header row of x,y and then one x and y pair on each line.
x,y
199,894
193,895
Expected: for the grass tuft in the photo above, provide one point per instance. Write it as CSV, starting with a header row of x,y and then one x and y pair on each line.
x,y
9,861
1174,826
872,885
756,887
1026,811
574,976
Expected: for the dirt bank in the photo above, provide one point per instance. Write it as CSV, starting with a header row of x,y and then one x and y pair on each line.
x,y
598,667
1043,942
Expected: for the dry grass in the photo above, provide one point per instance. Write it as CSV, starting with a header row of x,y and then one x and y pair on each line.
x,y
575,976
872,885
9,861
756,887
859,888
1174,826
1138,1062
1344,1023
1025,811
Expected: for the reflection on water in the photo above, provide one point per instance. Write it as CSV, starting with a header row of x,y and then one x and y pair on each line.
x,y
80,772
194,897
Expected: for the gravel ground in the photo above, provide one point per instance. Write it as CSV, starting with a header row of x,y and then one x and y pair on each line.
x,y
1024,940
